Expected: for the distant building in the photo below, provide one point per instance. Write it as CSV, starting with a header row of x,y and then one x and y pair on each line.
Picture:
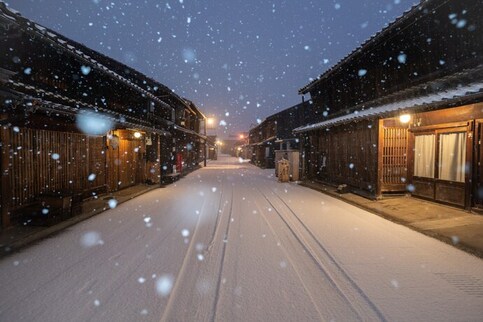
x,y
275,133
403,112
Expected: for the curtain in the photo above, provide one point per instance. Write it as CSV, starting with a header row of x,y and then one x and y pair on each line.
x,y
424,150
452,152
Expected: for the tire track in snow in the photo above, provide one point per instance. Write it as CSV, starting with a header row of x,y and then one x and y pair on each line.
x,y
320,310
347,288
218,221
176,289
195,271
220,273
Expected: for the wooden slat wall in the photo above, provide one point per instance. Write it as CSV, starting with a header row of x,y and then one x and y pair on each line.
x,y
97,161
394,159
112,168
350,153
128,162
34,170
23,184
70,171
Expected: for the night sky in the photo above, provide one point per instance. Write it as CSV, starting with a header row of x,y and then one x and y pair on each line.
x,y
237,60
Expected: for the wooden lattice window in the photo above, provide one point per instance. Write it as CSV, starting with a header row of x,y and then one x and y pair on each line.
x,y
394,156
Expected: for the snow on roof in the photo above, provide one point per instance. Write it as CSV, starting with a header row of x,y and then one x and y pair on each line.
x,y
130,120
402,105
7,16
379,34
39,27
64,43
266,141
13,11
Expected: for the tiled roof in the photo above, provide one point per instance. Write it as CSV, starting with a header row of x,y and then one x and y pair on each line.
x,y
72,47
456,92
399,20
80,107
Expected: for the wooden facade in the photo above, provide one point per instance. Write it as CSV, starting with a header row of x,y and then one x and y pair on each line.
x,y
410,122
47,155
275,133
344,155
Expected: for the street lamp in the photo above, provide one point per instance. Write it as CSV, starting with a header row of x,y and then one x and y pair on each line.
x,y
210,121
206,141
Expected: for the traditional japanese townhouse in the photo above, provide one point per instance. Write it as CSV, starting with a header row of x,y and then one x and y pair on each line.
x,y
190,144
403,112
262,140
75,123
275,133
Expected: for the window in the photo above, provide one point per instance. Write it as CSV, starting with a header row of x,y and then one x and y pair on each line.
x,y
450,160
452,152
424,153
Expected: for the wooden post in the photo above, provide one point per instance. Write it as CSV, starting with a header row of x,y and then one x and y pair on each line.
x,y
158,157
5,180
206,143
469,176
380,147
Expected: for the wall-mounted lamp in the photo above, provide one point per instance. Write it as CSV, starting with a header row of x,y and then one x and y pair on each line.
x,y
137,135
405,118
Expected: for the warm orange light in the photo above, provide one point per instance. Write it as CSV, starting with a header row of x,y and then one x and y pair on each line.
x,y
242,136
137,135
405,118
210,121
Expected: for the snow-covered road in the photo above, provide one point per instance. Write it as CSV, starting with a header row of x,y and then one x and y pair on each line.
x,y
230,243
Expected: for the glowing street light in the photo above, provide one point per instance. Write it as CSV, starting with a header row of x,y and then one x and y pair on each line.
x,y
210,121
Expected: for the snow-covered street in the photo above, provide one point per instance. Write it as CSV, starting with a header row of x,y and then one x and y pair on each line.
x,y
230,243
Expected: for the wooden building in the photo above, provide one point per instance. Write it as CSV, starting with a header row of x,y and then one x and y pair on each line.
x,y
275,133
75,123
403,112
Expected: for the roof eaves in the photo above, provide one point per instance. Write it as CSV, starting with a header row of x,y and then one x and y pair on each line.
x,y
394,24
66,44
398,106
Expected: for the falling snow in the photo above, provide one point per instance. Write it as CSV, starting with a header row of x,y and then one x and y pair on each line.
x,y
202,49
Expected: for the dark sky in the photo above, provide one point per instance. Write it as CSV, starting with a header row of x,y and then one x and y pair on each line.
x,y
237,60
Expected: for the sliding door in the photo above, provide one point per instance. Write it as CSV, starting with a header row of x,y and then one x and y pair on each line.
x,y
440,165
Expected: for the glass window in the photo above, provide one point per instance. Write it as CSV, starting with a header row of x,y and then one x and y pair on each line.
x,y
424,146
452,152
